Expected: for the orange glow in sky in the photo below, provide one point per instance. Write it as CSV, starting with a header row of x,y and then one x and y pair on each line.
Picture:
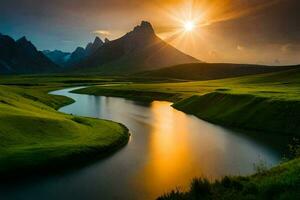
x,y
235,31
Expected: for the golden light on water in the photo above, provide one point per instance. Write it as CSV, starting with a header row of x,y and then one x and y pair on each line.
x,y
171,158
181,147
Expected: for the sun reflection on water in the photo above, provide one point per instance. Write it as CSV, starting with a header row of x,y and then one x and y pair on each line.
x,y
170,159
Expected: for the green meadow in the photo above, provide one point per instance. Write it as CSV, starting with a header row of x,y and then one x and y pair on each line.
x,y
266,102
37,138
279,85
140,100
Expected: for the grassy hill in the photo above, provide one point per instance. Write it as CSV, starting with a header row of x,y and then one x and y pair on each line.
x,y
269,103
266,102
210,71
281,182
34,137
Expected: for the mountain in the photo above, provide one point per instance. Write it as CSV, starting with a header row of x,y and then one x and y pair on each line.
x,y
92,47
138,50
209,71
76,56
21,56
58,57
81,54
69,59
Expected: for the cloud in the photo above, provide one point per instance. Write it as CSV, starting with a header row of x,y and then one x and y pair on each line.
x,y
102,32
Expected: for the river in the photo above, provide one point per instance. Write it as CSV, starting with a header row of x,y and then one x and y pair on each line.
x,y
166,150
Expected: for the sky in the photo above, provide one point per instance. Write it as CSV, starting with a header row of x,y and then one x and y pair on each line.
x,y
236,31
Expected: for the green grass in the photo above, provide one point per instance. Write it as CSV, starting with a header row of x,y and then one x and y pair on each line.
x,y
268,102
246,111
52,80
283,85
281,182
35,137
211,71
139,95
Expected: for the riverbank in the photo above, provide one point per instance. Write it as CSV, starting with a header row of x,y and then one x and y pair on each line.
x,y
245,111
235,110
35,138
234,98
268,103
281,182
136,95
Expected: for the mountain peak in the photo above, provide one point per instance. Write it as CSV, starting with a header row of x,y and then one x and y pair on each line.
x,y
22,40
138,50
21,56
144,27
146,24
98,41
92,47
79,49
77,55
88,46
27,46
6,37
25,43
106,40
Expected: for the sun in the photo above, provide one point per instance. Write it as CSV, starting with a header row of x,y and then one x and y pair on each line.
x,y
189,26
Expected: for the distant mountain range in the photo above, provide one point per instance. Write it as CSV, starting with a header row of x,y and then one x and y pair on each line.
x,y
138,50
57,56
65,59
22,57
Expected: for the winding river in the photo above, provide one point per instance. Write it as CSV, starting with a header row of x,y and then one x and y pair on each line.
x,y
166,150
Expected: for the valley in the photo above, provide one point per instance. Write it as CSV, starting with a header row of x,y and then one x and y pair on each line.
x,y
265,90
202,104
